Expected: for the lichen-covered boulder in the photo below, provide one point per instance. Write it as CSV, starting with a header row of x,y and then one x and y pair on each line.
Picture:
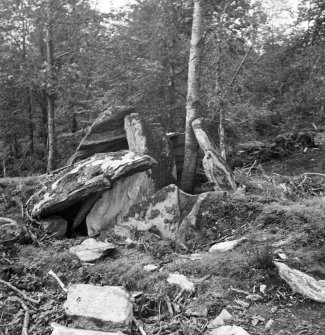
x,y
162,212
76,183
105,135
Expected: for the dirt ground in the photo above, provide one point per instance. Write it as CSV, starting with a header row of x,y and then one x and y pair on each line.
x,y
297,226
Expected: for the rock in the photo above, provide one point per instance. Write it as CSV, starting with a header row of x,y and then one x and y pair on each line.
x,y
181,281
262,288
106,134
242,303
268,325
105,308
10,230
150,139
229,330
220,319
200,312
191,220
56,225
150,267
226,246
302,283
91,250
61,330
162,212
115,203
75,183
254,297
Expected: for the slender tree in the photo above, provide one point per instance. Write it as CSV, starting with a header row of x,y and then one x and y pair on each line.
x,y
193,103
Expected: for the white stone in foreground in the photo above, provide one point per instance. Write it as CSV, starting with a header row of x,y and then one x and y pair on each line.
x,y
229,330
226,246
60,330
220,319
181,281
302,283
105,308
90,250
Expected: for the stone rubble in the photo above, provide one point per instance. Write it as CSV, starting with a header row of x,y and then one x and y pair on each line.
x,y
226,246
91,250
220,320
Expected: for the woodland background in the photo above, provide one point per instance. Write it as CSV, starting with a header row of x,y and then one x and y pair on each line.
x,y
62,63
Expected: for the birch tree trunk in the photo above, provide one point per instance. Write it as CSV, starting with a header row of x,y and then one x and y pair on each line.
x,y
50,95
193,98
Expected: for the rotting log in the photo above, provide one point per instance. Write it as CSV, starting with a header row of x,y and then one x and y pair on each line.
x,y
214,165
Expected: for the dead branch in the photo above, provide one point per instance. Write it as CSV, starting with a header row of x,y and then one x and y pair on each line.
x,y
169,306
179,295
24,330
212,161
140,328
56,277
19,291
239,291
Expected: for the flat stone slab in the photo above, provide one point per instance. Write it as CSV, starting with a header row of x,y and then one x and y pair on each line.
x,y
91,250
61,330
104,308
76,183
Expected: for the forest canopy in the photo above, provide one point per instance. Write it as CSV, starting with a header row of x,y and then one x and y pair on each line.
x,y
62,63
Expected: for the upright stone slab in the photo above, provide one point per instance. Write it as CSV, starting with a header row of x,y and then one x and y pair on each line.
x,y
163,212
105,308
115,203
150,139
105,135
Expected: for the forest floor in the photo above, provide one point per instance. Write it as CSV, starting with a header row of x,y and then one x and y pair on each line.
x,y
271,226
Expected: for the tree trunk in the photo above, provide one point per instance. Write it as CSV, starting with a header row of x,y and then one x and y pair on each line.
x,y
214,165
30,121
50,97
193,98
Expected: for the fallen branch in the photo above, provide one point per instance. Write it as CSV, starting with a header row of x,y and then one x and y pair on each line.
x,y
239,291
179,295
24,330
19,291
55,276
169,306
214,165
140,328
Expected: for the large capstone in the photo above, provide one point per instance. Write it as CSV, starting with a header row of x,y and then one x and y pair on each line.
x,y
76,183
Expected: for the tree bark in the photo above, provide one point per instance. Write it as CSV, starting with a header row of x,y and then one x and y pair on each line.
x,y
214,165
30,121
50,96
193,98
